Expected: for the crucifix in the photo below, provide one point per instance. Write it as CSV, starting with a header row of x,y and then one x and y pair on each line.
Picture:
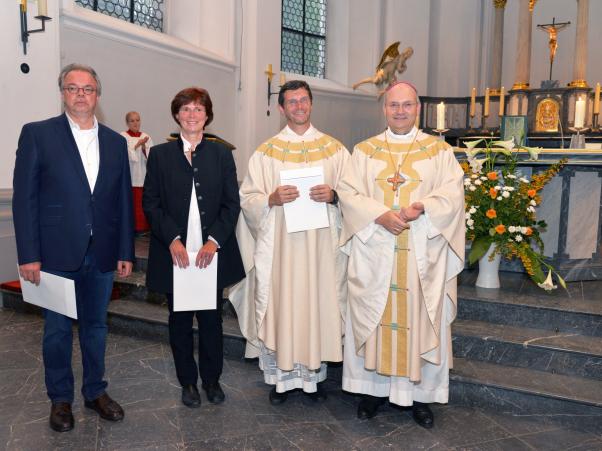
x,y
397,180
552,29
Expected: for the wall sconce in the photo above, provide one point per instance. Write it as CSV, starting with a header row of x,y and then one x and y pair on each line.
x,y
42,15
270,75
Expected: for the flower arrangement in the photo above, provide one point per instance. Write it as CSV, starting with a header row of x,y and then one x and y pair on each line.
x,y
500,207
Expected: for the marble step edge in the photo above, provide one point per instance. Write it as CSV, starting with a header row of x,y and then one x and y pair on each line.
x,y
527,382
525,337
513,299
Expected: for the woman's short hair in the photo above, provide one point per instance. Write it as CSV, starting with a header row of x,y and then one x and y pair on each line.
x,y
193,94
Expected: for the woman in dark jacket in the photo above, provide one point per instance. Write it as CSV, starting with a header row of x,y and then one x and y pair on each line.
x,y
191,202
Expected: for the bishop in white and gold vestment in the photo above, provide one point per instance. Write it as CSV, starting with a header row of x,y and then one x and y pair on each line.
x,y
402,286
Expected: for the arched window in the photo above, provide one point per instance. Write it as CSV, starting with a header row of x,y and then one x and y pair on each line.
x,y
303,49
147,13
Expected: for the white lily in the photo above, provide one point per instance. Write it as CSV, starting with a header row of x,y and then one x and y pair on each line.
x,y
472,144
548,285
475,164
533,152
508,144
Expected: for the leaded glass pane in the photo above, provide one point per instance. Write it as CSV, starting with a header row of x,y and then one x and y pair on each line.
x,y
303,49
292,52
315,56
148,13
315,17
292,14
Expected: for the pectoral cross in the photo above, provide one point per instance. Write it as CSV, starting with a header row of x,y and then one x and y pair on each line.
x,y
397,180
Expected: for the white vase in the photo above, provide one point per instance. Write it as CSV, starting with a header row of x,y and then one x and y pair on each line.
x,y
489,270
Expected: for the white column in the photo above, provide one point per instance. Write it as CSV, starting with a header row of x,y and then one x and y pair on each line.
x,y
495,77
580,62
523,45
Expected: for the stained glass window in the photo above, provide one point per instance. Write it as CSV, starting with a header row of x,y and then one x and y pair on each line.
x,y
304,37
147,13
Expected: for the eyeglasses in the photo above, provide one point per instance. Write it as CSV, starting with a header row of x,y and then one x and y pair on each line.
x,y
196,110
405,106
301,101
73,89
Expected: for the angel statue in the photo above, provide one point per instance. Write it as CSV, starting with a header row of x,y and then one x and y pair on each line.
x,y
390,63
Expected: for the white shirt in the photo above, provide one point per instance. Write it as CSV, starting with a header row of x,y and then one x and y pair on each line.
x,y
194,235
87,144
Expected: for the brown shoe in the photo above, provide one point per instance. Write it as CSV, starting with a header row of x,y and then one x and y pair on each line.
x,y
106,408
61,418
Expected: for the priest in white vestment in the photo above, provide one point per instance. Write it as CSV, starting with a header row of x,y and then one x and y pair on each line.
x,y
402,201
290,304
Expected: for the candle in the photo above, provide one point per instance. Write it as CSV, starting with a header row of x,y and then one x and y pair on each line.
x,y
42,8
23,5
502,100
579,113
441,116
282,79
473,102
597,99
486,108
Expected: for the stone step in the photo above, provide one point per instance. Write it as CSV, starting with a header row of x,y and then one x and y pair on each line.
x,y
150,320
538,349
524,390
521,303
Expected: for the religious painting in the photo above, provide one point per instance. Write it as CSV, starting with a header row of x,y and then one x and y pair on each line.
x,y
547,115
514,127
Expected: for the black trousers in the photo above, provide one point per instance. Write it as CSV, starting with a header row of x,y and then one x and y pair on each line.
x,y
211,348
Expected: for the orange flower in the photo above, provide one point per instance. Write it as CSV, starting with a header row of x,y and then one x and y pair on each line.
x,y
492,193
491,213
492,175
531,193
529,231
500,228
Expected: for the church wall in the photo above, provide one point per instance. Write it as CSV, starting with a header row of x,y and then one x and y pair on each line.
x,y
24,98
142,70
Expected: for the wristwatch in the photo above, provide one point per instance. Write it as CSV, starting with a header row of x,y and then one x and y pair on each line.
x,y
335,198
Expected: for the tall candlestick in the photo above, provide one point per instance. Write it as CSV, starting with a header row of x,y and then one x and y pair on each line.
x,y
486,108
502,101
597,99
42,8
441,116
473,101
579,113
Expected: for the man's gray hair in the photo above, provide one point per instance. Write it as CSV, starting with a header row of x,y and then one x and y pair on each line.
x,y
83,68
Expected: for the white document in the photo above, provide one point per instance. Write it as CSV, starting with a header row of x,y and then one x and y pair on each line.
x,y
304,213
54,293
195,288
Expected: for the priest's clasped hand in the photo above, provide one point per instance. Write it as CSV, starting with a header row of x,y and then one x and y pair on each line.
x,y
392,222
321,193
283,195
412,212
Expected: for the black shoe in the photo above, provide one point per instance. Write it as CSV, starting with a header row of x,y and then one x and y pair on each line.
x,y
277,398
319,395
106,408
423,415
190,396
368,407
214,392
61,418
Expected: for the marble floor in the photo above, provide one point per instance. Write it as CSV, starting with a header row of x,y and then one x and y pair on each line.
x,y
142,378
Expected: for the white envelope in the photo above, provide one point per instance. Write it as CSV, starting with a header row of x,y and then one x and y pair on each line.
x,y
304,213
195,288
54,293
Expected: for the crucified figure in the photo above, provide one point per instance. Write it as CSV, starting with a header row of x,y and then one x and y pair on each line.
x,y
552,29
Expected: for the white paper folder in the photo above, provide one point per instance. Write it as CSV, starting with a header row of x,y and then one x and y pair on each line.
x,y
304,213
54,293
195,288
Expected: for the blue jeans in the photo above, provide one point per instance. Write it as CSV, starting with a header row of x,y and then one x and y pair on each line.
x,y
92,293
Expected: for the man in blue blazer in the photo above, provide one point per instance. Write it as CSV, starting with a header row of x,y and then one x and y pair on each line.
x,y
72,210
